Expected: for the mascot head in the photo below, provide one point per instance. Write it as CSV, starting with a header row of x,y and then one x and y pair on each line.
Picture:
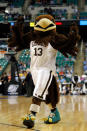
x,y
44,23
44,29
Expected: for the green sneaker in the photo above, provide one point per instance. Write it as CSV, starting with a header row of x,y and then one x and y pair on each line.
x,y
54,117
29,120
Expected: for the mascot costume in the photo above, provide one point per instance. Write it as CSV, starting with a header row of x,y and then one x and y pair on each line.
x,y
43,42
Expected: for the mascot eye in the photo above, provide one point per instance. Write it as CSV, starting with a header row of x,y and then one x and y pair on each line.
x,y
52,20
36,22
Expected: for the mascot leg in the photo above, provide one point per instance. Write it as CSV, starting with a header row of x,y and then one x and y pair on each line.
x,y
52,99
29,120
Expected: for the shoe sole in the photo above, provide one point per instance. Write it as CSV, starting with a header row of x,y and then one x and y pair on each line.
x,y
28,123
52,122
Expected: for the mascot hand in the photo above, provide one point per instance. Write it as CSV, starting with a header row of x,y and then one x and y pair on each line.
x,y
20,20
19,25
74,31
17,33
74,28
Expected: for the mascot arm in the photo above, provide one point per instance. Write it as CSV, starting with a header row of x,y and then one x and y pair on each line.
x,y
67,44
19,40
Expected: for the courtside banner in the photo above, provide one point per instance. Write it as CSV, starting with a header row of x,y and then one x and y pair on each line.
x,y
12,89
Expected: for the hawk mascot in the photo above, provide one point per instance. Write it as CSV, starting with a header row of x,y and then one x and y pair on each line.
x,y
43,42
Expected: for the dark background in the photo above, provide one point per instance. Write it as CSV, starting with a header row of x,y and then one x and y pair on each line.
x,y
64,29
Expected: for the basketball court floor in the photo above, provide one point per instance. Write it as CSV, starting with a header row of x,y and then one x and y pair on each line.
x,y
73,110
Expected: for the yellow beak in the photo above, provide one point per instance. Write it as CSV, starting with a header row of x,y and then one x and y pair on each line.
x,y
44,25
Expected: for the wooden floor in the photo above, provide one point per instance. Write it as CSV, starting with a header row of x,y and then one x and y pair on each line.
x,y
73,110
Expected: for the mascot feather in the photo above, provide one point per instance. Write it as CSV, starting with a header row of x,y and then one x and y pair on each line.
x,y
44,42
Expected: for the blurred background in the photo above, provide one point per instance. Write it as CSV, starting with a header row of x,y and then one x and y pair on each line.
x,y
71,72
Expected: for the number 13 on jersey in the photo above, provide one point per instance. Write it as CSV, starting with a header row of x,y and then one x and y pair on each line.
x,y
38,51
